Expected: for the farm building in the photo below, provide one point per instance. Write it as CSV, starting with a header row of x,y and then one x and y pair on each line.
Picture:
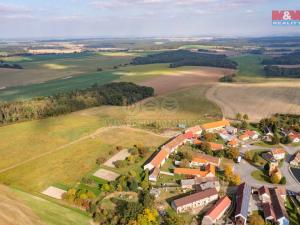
x,y
202,159
217,211
242,204
215,126
158,160
195,200
210,171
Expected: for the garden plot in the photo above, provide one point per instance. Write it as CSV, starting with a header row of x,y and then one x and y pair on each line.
x,y
106,174
54,192
121,155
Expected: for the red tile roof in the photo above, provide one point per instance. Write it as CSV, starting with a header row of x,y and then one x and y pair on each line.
x,y
234,142
202,158
215,212
250,133
278,151
159,157
214,125
196,172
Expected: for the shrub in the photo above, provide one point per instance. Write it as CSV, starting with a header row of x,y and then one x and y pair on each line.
x,y
120,163
100,160
283,180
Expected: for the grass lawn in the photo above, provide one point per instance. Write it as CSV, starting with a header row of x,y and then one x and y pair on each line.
x,y
260,161
51,213
261,176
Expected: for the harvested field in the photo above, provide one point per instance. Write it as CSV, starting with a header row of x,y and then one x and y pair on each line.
x,y
184,79
106,174
14,211
54,192
257,100
121,155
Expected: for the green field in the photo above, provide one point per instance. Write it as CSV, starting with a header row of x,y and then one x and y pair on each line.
x,y
129,73
51,213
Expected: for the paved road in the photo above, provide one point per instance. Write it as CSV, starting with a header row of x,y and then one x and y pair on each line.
x,y
245,169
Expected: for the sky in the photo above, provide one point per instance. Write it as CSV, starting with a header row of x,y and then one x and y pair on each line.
x,y
141,18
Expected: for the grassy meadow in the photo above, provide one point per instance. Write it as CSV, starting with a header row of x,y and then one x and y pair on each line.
x,y
51,164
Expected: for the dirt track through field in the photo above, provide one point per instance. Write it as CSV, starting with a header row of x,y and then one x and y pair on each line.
x,y
97,132
257,100
184,79
13,211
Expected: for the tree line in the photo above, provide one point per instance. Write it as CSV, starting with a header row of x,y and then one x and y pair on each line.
x,y
9,65
186,58
275,71
123,93
286,59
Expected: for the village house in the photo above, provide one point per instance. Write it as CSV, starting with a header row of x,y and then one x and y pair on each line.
x,y
242,204
226,136
231,130
244,137
252,134
294,137
196,200
200,183
234,143
215,126
217,211
296,160
278,153
203,159
210,171
273,205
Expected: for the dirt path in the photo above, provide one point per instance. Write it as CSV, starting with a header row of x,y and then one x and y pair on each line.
x,y
93,135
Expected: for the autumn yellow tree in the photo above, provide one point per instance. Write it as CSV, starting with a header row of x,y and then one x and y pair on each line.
x,y
148,217
256,219
275,178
